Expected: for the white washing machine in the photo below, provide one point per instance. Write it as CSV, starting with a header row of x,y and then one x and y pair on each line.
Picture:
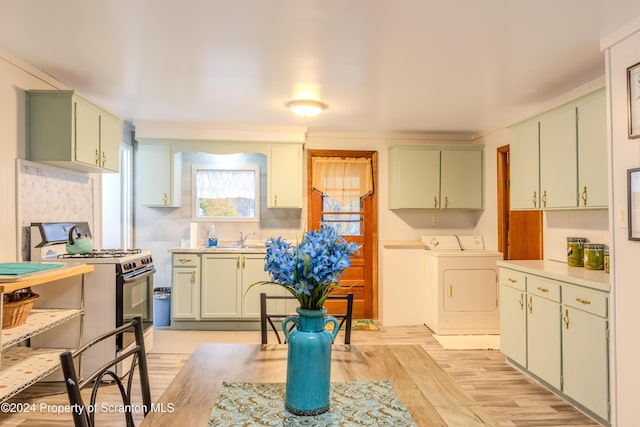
x,y
461,286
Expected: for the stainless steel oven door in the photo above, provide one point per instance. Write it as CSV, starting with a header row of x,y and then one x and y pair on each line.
x,y
134,297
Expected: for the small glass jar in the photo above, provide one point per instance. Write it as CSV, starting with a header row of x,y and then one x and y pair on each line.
x,y
575,251
594,256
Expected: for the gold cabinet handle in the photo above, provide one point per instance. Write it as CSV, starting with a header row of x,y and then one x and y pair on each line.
x,y
238,262
535,199
446,202
165,199
193,278
450,291
435,202
512,280
184,260
97,157
565,318
583,196
275,200
104,158
521,301
244,262
544,199
545,290
583,301
530,305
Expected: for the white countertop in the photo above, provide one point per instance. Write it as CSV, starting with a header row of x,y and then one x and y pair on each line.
x,y
220,250
595,279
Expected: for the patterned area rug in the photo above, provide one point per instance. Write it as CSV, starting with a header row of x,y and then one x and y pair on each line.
x,y
358,325
373,403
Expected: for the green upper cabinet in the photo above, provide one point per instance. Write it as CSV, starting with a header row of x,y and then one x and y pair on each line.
x,y
414,177
525,166
558,160
436,177
285,176
159,172
461,178
592,151
67,130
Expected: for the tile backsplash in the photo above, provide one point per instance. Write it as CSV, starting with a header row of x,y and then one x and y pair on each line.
x,y
48,194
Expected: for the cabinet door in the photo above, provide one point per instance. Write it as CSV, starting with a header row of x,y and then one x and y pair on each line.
x,y
159,175
285,176
461,179
513,324
185,303
110,138
252,272
87,133
221,293
558,158
524,165
592,152
414,177
585,360
543,339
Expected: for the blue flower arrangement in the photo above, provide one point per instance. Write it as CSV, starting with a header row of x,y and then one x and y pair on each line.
x,y
310,270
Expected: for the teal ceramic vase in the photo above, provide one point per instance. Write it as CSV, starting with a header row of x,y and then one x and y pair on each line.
x,y
309,361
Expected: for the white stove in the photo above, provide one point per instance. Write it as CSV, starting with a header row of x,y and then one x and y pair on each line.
x,y
462,285
119,288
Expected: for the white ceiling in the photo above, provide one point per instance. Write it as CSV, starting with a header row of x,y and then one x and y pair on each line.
x,y
381,65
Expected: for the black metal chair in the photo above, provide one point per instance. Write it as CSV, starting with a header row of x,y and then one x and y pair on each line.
x,y
345,318
85,418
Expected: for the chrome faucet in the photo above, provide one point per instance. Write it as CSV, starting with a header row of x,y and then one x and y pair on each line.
x,y
244,238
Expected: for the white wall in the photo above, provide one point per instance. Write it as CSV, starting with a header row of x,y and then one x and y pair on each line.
x,y
623,50
15,78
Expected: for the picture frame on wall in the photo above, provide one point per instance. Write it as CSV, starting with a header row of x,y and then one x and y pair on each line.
x,y
633,202
633,100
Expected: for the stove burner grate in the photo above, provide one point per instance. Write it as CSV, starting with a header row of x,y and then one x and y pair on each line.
x,y
104,253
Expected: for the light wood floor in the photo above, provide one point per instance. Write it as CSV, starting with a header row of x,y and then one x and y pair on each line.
x,y
508,396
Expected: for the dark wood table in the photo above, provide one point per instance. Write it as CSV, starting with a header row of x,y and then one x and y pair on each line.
x,y
432,397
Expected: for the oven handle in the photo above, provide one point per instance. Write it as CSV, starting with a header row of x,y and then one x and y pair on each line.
x,y
137,275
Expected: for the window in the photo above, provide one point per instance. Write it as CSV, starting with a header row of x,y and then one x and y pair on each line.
x,y
227,194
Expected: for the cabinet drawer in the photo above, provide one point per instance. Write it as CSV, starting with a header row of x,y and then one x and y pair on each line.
x,y
543,287
586,299
513,278
185,260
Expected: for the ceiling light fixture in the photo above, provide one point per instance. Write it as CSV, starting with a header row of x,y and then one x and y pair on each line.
x,y
306,107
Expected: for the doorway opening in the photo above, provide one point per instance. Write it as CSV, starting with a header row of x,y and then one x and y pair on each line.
x,y
519,231
348,203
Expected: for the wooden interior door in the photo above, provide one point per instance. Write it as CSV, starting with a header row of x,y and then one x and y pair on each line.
x,y
361,277
519,232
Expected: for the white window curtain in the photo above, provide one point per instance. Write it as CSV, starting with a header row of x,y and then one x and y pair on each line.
x,y
224,184
342,179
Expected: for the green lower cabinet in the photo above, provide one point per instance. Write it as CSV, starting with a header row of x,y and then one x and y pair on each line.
x,y
513,324
585,360
221,297
559,334
543,339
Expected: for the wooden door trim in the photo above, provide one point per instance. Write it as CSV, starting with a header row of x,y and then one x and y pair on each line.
x,y
502,155
373,155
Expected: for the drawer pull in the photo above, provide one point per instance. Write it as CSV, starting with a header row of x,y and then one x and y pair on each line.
x,y
530,305
583,301
450,291
521,301
184,260
512,280
566,319
543,289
